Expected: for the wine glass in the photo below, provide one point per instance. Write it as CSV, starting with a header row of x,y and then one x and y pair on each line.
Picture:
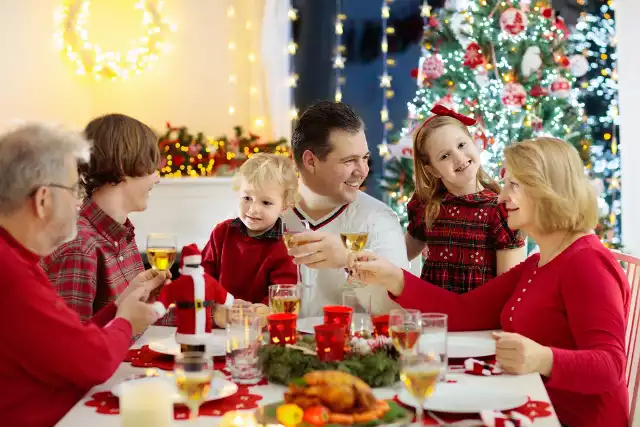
x,y
434,338
284,298
161,250
288,231
354,241
419,372
405,326
193,372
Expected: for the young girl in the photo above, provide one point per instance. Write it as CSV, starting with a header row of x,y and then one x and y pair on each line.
x,y
454,212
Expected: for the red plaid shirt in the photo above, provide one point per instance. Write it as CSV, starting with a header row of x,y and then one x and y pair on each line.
x,y
95,267
462,244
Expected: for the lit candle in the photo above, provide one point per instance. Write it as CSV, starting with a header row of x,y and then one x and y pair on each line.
x,y
238,419
146,402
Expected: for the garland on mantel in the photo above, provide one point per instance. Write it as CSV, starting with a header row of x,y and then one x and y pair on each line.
x,y
183,154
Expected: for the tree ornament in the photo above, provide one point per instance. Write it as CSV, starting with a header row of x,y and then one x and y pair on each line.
x,y
579,65
513,95
432,67
447,102
536,123
482,78
531,61
560,88
480,138
563,61
537,91
547,12
513,21
473,56
559,24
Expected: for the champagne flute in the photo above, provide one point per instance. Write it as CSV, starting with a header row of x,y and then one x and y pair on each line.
x,y
193,372
405,326
284,298
355,243
161,250
419,372
288,231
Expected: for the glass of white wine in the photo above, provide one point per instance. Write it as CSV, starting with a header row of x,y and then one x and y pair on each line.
x,y
354,241
419,372
290,229
284,298
161,250
405,327
193,372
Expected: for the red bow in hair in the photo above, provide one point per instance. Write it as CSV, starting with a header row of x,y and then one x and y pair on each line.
x,y
441,110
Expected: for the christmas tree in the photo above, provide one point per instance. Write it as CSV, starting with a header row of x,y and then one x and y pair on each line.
x,y
504,63
594,42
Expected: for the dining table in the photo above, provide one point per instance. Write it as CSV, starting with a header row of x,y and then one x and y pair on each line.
x,y
87,412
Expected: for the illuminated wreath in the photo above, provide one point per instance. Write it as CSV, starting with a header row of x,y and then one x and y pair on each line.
x,y
73,39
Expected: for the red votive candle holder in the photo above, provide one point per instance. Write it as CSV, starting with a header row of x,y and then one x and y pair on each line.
x,y
380,325
282,328
330,342
338,315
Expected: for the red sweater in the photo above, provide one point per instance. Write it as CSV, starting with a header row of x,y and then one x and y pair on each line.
x,y
245,265
577,304
49,359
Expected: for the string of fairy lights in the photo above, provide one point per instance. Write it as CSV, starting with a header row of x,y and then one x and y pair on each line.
x,y
292,48
339,58
385,78
232,46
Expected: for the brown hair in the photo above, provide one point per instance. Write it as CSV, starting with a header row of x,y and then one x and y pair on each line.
x,y
315,125
264,167
429,188
122,146
551,172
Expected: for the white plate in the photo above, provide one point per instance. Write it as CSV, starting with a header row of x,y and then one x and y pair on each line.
x,y
220,388
461,398
461,347
215,344
306,324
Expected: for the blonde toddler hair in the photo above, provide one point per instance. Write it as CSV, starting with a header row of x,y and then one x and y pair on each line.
x,y
551,172
264,167
429,188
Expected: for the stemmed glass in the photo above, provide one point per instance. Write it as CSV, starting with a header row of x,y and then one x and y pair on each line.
x,y
193,372
288,231
354,241
405,326
161,250
419,372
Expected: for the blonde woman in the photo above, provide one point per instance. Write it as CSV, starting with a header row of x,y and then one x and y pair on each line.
x,y
563,310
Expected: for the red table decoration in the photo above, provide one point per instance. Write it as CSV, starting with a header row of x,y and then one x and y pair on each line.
x,y
380,325
282,328
330,342
338,315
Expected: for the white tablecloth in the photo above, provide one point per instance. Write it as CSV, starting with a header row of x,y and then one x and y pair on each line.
x,y
81,415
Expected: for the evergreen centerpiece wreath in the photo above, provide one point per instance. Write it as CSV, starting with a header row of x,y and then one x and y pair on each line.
x,y
375,361
89,58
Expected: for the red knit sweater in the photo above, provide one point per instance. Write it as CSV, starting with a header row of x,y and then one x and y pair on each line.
x,y
577,304
245,265
49,359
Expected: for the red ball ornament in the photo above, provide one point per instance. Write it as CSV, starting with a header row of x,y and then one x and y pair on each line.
x,y
547,12
432,67
473,55
563,61
538,91
513,21
560,88
513,95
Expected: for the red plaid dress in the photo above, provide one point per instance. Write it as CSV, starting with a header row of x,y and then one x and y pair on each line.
x,y
95,267
462,244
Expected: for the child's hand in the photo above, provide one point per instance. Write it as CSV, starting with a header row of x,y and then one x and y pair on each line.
x,y
220,316
262,311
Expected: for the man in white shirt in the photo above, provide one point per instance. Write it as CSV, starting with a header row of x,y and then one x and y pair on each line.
x,y
331,153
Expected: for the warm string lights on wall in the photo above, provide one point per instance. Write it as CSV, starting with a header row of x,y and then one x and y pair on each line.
x,y
73,38
339,58
258,122
292,48
233,78
385,78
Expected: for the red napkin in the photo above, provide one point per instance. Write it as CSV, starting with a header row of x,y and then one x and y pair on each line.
x,y
478,367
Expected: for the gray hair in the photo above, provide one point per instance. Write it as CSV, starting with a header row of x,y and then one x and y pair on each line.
x,y
33,155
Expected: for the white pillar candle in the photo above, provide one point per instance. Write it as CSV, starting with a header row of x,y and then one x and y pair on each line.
x,y
146,403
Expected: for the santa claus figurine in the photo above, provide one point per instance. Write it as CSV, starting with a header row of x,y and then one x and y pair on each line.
x,y
193,296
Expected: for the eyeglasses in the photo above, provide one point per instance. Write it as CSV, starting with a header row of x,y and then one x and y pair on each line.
x,y
77,189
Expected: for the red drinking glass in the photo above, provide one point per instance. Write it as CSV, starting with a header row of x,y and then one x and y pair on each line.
x,y
330,342
380,325
282,328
